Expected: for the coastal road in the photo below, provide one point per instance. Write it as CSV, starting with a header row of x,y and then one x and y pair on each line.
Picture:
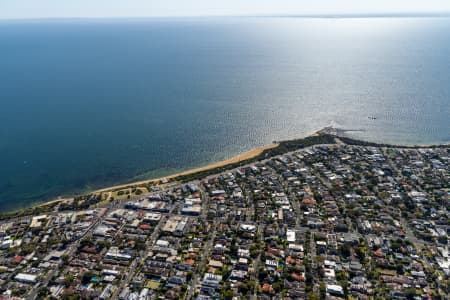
x,y
140,260
113,205
256,263
204,257
70,252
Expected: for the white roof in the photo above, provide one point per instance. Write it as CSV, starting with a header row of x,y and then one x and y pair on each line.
x,y
335,288
213,277
329,273
290,236
296,247
271,262
25,277
162,243
110,272
248,227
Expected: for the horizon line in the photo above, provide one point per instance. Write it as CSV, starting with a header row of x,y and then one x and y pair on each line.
x,y
304,16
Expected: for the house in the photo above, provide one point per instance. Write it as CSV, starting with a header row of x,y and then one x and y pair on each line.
x,y
335,290
290,236
25,278
215,264
211,280
107,292
271,264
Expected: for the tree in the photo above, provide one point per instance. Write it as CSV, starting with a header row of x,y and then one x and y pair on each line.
x,y
360,252
43,291
345,250
65,258
68,279
410,293
251,284
139,246
228,295
443,240
254,253
323,289
244,288
312,296
395,245
277,286
341,276
262,273
86,277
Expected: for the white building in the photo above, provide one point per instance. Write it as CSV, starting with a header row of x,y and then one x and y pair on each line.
x,y
26,278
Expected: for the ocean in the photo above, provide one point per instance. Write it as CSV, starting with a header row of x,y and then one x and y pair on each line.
x,y
90,103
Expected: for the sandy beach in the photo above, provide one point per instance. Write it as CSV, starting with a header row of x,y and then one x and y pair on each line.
x,y
235,159
244,156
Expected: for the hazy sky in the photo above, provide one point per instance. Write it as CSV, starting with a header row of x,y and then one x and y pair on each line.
x,y
138,8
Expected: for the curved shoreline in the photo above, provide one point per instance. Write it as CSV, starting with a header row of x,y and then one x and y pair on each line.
x,y
253,153
235,159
